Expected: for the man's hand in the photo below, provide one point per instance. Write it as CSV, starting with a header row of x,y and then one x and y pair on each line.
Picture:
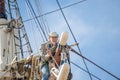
x,y
47,56
48,53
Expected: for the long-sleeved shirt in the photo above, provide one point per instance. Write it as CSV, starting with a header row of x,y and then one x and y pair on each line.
x,y
44,48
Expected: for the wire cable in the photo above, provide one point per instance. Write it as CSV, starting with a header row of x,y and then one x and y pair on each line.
x,y
42,19
56,10
84,70
94,63
30,13
28,3
32,28
73,36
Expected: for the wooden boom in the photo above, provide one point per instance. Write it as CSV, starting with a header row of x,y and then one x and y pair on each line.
x,y
62,42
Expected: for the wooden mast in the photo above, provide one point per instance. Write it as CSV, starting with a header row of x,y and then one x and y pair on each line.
x,y
2,9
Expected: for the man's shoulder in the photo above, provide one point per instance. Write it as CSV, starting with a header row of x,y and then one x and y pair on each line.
x,y
45,43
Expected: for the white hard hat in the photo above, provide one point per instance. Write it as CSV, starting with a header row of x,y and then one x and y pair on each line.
x,y
53,34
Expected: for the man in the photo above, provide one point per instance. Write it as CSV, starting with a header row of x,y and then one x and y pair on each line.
x,y
47,50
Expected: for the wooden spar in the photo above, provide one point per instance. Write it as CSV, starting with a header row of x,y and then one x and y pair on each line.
x,y
62,42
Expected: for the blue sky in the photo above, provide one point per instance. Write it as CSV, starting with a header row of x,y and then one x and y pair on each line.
x,y
96,25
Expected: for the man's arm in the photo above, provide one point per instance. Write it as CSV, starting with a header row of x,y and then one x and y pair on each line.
x,y
44,53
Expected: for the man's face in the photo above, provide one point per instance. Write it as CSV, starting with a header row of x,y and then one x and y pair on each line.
x,y
53,39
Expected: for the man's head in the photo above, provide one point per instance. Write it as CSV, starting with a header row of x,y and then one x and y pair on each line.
x,y
53,37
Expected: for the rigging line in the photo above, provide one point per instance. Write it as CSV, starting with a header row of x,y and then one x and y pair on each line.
x,y
73,36
39,11
30,15
21,44
23,52
84,70
42,19
35,39
94,63
35,22
14,49
6,7
19,33
28,2
9,9
56,10
23,28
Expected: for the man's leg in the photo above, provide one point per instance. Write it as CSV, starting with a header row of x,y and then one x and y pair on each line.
x,y
45,72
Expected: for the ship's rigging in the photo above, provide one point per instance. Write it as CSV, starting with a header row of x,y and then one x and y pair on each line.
x,y
13,13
